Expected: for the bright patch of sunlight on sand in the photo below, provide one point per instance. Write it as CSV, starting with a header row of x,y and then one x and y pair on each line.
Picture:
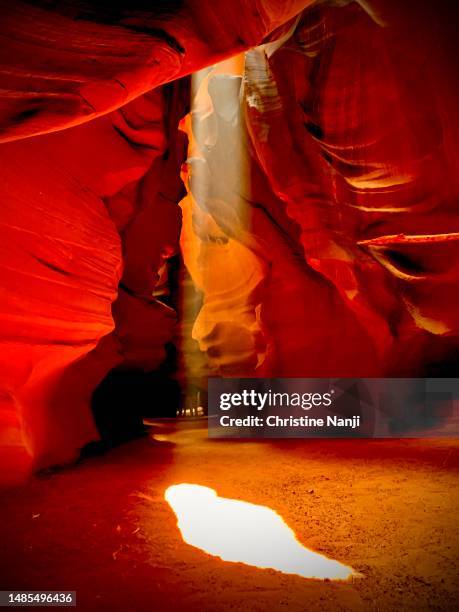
x,y
247,533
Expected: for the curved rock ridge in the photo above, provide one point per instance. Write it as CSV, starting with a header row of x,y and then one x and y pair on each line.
x,y
319,199
89,215
87,223
265,311
348,166
67,62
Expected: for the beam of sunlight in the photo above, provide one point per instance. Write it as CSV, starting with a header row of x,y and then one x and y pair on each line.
x,y
221,329
242,532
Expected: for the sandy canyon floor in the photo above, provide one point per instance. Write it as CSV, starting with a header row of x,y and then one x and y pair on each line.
x,y
102,527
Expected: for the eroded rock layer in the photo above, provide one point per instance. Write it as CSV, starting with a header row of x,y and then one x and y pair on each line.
x,y
89,214
328,246
318,201
66,62
87,224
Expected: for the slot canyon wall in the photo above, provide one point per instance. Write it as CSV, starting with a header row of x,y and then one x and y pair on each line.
x,y
315,181
345,214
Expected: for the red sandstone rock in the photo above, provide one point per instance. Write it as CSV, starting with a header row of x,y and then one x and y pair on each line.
x,y
327,248
65,198
65,64
349,154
